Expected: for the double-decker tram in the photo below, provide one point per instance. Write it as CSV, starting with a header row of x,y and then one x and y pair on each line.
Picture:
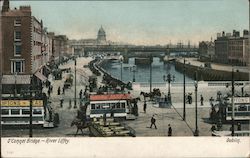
x,y
111,105
241,109
17,112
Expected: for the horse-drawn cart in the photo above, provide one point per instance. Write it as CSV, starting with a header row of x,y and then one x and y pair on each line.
x,y
110,128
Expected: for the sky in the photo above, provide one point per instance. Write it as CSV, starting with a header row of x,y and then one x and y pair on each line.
x,y
142,22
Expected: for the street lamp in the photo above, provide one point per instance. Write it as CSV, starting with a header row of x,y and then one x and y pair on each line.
x,y
133,69
15,93
169,79
75,86
196,132
121,60
184,90
31,108
232,101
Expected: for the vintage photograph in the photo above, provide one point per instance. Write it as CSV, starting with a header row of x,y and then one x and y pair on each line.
x,y
81,69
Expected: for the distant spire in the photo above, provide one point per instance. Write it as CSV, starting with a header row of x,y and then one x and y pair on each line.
x,y
6,6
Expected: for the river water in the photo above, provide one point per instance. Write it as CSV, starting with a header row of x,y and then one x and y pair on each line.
x,y
142,73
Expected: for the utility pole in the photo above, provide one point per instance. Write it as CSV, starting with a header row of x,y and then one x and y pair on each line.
x,y
15,93
196,133
232,101
133,69
31,109
75,85
150,70
184,90
121,69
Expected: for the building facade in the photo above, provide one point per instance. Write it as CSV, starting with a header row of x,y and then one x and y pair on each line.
x,y
207,49
232,48
23,49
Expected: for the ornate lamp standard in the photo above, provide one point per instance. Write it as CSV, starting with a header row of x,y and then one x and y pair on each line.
x,y
184,90
168,78
75,86
196,132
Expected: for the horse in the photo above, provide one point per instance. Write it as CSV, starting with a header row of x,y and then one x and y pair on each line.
x,y
156,92
145,95
80,125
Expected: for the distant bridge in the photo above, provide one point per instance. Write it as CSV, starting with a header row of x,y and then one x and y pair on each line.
x,y
129,50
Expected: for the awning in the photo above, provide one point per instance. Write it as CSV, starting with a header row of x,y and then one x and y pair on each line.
x,y
40,76
16,79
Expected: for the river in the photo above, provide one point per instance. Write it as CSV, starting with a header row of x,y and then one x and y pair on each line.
x,y
142,73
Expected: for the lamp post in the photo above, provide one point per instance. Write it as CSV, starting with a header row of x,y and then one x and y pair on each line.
x,y
15,93
184,90
121,61
232,101
150,73
121,69
196,132
75,86
168,78
133,69
31,109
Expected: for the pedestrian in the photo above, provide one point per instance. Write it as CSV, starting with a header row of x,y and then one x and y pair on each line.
x,y
64,89
239,127
48,92
169,130
51,88
202,99
211,101
189,99
80,94
213,128
153,120
136,109
61,101
70,105
105,118
59,91
144,106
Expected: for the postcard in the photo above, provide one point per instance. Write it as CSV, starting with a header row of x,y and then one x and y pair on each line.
x,y
166,78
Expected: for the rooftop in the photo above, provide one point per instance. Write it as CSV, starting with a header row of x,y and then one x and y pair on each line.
x,y
110,97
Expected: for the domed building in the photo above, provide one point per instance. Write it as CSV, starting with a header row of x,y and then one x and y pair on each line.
x,y
101,36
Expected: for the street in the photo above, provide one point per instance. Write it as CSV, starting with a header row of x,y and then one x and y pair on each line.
x,y
141,124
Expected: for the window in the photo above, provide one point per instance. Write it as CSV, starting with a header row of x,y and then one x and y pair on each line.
x,y
17,22
15,112
92,106
17,49
98,106
37,111
25,111
5,111
112,105
118,105
17,36
242,108
17,66
123,105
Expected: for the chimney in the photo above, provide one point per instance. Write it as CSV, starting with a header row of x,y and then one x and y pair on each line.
x,y
25,8
6,6
245,32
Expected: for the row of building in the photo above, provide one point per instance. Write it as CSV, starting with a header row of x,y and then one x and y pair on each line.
x,y
27,48
228,48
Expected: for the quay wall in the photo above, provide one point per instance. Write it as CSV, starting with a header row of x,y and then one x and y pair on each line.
x,y
98,67
208,74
